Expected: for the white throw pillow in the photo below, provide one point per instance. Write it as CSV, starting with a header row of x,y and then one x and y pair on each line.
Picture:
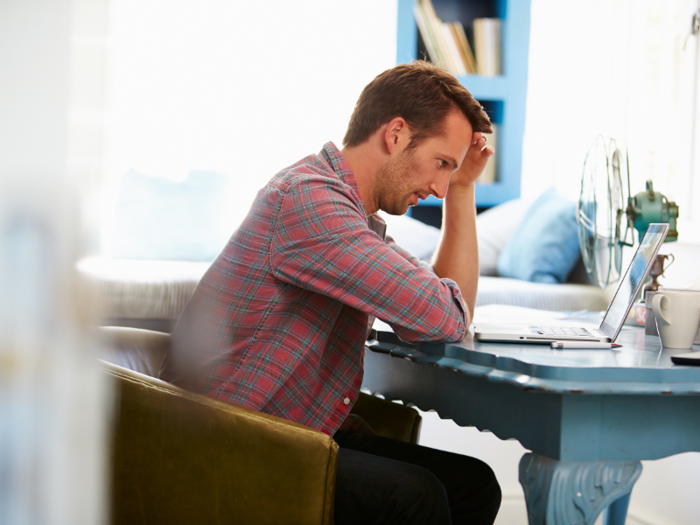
x,y
494,228
412,235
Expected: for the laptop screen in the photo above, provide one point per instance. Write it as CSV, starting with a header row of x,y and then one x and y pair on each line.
x,y
633,280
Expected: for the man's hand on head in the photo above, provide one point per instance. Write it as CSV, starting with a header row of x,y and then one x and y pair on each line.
x,y
474,162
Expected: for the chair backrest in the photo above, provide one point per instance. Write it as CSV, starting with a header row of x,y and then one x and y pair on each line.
x,y
387,419
183,458
143,351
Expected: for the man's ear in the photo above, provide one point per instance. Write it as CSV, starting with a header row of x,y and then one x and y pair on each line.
x,y
396,135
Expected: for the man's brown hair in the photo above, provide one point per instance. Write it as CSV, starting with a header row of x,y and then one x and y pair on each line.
x,y
422,94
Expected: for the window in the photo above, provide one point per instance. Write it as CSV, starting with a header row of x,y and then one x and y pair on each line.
x,y
235,88
620,68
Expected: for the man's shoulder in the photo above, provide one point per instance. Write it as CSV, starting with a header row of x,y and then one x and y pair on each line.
x,y
312,170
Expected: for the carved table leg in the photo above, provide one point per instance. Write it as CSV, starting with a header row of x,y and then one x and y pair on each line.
x,y
573,492
616,513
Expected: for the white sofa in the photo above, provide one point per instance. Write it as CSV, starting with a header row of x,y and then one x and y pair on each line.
x,y
494,229
152,294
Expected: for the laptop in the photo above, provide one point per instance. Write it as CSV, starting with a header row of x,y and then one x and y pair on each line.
x,y
614,318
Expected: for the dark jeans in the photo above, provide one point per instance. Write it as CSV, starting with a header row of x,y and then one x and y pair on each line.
x,y
381,480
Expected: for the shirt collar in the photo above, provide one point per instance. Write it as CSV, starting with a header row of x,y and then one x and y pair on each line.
x,y
332,155
377,225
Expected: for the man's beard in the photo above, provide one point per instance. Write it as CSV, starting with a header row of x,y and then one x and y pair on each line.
x,y
392,182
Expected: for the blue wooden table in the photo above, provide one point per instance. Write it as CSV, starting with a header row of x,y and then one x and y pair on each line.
x,y
588,416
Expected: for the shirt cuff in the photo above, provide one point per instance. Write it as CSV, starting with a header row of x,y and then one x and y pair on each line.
x,y
456,292
457,296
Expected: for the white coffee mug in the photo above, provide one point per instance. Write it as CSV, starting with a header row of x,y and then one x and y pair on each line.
x,y
677,316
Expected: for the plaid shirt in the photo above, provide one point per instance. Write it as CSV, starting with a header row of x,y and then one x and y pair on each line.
x,y
278,322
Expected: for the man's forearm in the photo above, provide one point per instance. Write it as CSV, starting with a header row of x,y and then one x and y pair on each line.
x,y
457,254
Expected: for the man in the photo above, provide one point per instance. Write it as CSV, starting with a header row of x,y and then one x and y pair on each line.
x,y
278,322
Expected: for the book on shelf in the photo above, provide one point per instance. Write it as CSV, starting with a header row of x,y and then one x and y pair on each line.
x,y
426,33
455,55
436,29
489,174
445,45
487,46
464,47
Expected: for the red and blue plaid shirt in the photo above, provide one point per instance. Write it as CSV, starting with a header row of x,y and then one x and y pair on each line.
x,y
278,322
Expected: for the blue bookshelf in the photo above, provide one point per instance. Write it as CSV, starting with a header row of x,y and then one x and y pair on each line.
x,y
503,96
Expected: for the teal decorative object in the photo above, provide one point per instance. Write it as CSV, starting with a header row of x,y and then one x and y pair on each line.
x,y
651,206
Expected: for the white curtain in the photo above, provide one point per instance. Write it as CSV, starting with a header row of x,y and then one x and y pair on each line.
x,y
617,68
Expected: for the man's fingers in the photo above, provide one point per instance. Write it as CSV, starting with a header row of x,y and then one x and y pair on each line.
x,y
479,140
480,148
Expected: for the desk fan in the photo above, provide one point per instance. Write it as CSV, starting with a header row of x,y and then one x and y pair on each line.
x,y
601,207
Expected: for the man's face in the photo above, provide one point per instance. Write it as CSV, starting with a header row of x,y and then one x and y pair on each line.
x,y
425,170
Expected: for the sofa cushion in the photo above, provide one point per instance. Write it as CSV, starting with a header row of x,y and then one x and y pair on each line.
x,y
555,297
494,228
545,247
416,237
133,289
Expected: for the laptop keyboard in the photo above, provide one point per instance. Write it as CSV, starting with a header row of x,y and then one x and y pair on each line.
x,y
560,330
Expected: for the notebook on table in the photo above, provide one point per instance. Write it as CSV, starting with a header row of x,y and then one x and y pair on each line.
x,y
615,315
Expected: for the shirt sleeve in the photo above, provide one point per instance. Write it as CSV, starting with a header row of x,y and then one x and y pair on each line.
x,y
412,258
322,243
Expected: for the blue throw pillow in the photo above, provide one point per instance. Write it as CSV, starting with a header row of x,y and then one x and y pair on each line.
x,y
545,247
157,218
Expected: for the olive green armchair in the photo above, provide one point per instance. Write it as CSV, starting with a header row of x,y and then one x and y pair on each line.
x,y
183,458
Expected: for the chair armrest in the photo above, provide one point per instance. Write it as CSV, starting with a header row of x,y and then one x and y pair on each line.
x,y
182,458
134,348
389,419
